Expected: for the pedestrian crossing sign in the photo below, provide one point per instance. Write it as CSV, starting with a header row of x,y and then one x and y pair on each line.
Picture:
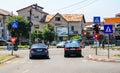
x,y
108,29
96,20
14,24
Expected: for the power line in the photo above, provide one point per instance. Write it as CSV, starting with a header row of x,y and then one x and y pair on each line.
x,y
84,6
69,6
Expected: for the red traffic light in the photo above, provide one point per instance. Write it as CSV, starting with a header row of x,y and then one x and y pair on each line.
x,y
13,39
96,36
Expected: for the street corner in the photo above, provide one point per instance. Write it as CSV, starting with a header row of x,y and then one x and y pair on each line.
x,y
8,59
100,59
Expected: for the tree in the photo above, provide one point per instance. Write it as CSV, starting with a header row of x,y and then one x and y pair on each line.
x,y
23,28
48,33
76,37
37,34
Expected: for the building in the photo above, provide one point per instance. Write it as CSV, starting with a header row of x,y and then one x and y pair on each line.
x,y
66,25
4,34
61,22
35,14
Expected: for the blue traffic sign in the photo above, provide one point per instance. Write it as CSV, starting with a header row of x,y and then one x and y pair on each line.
x,y
96,20
14,24
108,29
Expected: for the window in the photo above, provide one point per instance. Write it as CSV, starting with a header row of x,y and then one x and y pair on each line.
x,y
36,26
57,18
72,28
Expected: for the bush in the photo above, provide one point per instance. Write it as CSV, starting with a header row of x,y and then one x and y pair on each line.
x,y
21,46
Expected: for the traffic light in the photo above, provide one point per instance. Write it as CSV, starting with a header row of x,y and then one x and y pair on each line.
x,y
13,33
96,28
15,47
96,36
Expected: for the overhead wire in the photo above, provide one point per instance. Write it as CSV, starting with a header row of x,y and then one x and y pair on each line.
x,y
69,6
92,2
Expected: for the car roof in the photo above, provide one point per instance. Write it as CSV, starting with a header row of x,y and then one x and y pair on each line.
x,y
38,45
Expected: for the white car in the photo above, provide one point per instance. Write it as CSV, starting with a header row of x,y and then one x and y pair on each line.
x,y
61,44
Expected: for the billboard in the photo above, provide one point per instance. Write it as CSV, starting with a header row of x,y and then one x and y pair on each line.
x,y
62,31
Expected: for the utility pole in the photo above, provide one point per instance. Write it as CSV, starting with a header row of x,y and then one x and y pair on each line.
x,y
68,32
30,25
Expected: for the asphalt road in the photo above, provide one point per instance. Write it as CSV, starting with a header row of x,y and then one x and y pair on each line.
x,y
57,64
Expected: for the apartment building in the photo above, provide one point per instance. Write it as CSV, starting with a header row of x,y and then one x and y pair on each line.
x,y
4,34
66,25
35,14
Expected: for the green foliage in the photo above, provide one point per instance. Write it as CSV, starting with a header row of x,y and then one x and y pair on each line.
x,y
76,37
48,33
23,27
23,47
37,34
117,55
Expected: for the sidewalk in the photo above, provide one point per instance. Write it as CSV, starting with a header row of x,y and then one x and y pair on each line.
x,y
102,55
5,53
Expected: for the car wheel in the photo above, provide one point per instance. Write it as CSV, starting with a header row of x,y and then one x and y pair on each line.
x,y
30,57
47,57
65,55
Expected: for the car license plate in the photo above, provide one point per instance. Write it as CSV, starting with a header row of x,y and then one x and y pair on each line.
x,y
39,50
72,49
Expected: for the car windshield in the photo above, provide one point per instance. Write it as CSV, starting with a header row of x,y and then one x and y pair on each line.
x,y
72,44
38,46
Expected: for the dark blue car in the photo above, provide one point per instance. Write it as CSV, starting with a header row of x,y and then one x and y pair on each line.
x,y
38,50
72,48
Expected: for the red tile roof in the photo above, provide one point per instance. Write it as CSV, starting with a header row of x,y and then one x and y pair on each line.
x,y
73,17
67,17
49,17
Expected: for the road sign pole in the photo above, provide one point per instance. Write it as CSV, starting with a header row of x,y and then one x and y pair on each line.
x,y
108,46
96,50
12,49
96,21
96,45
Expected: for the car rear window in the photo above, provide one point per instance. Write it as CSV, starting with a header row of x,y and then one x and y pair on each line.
x,y
38,46
72,44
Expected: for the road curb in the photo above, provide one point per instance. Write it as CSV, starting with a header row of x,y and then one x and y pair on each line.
x,y
90,57
7,59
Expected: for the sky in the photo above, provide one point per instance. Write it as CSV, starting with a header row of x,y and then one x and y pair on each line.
x,y
90,8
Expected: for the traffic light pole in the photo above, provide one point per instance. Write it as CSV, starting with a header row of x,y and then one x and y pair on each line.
x,y
96,36
96,46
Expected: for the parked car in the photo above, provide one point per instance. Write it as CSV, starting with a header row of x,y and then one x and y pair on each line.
x,y
53,43
38,50
72,48
61,44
